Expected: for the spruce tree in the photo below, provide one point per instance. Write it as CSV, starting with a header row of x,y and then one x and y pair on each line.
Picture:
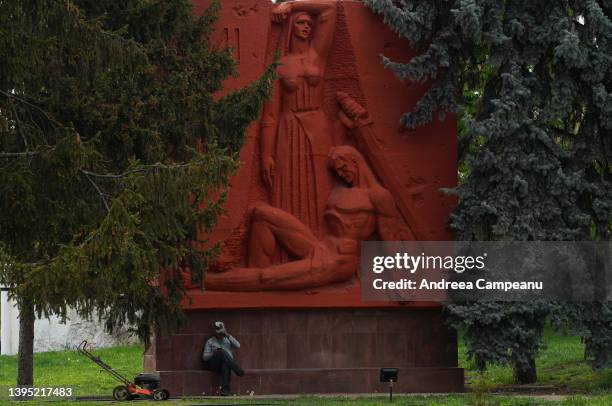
x,y
114,157
532,82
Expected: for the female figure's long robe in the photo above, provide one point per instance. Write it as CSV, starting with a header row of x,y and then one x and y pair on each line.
x,y
301,182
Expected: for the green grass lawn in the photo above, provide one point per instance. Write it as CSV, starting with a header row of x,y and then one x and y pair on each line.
x,y
68,368
561,370
561,364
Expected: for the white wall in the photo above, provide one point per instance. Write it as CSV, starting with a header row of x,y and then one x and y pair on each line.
x,y
9,326
51,335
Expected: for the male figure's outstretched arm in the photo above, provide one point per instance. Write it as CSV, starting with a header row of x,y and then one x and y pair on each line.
x,y
389,222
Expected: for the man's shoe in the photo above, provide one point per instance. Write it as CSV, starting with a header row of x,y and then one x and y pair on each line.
x,y
225,392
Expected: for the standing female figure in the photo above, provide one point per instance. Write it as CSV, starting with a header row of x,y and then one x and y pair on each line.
x,y
295,136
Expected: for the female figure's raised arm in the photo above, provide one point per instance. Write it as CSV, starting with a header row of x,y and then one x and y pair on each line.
x,y
325,13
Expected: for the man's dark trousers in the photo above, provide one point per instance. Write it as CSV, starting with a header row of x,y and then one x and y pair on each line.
x,y
222,363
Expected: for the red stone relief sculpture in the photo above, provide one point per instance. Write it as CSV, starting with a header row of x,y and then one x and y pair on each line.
x,y
328,165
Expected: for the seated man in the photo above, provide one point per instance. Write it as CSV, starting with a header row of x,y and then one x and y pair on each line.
x,y
218,356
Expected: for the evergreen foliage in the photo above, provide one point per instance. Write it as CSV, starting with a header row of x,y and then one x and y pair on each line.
x,y
114,154
532,81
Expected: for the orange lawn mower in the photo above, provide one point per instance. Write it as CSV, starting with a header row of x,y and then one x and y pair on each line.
x,y
144,386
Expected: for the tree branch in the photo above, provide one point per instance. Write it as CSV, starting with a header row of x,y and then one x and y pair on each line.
x,y
137,170
97,189
18,124
8,155
12,96
18,154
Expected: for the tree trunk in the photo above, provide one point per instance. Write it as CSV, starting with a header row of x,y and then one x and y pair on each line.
x,y
525,373
25,368
481,365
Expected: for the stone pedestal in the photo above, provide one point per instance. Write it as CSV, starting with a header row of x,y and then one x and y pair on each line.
x,y
292,351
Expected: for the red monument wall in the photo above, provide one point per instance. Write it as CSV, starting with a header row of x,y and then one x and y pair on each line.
x,y
326,167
